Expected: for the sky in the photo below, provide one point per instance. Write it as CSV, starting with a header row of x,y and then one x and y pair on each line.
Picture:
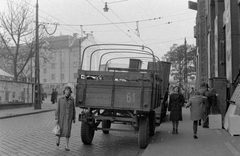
x,y
160,23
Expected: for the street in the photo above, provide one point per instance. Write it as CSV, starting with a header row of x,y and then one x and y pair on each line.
x,y
31,135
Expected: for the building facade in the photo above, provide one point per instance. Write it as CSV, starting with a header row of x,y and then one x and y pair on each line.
x,y
62,66
218,49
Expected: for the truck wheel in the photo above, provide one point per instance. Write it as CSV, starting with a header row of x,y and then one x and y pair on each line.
x,y
106,124
152,123
87,133
143,132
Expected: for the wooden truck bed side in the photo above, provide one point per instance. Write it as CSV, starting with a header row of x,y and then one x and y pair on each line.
x,y
115,90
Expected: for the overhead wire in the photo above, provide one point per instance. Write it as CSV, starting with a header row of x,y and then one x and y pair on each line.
x,y
111,21
99,24
45,13
127,26
118,30
72,26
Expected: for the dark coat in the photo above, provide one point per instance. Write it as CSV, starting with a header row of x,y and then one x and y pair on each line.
x,y
204,92
65,113
53,97
176,101
196,104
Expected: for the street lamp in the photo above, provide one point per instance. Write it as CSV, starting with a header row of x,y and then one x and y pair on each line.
x,y
106,7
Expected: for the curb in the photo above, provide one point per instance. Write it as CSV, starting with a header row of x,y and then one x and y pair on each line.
x,y
30,113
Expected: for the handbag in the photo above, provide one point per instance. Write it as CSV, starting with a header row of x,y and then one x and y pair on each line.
x,y
56,130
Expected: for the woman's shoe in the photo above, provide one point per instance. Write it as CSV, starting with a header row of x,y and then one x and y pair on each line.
x,y
176,131
195,137
67,148
58,142
173,131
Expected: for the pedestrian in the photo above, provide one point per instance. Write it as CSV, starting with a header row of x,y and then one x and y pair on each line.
x,y
176,101
212,99
196,104
65,114
204,92
191,92
165,100
53,96
56,95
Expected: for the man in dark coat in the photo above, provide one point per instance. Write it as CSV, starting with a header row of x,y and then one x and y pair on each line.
x,y
53,96
56,95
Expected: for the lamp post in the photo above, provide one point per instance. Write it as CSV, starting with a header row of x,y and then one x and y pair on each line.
x,y
37,103
185,63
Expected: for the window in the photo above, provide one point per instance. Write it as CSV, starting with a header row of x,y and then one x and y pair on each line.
x,y
45,70
53,76
53,65
74,64
75,75
44,80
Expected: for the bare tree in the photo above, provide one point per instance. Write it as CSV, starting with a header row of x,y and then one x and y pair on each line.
x,y
17,36
17,39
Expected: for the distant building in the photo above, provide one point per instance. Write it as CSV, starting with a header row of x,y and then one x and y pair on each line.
x,y
62,67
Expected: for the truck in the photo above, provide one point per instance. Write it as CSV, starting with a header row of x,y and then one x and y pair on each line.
x,y
110,95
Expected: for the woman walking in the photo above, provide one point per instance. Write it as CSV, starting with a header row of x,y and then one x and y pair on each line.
x,y
65,115
176,101
196,104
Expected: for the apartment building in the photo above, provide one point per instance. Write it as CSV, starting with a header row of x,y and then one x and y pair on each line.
x,y
62,66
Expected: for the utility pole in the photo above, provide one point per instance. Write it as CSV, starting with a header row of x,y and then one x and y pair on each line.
x,y
185,62
37,104
80,48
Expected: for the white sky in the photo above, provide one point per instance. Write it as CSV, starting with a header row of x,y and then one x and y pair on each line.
x,y
156,34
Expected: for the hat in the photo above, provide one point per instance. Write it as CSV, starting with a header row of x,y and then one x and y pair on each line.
x,y
67,87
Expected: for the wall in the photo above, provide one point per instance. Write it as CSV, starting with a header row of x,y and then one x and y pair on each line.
x,y
15,92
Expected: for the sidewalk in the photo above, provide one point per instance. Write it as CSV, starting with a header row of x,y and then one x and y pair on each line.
x,y
45,107
210,142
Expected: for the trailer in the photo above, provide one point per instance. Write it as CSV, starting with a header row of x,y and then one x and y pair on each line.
x,y
114,95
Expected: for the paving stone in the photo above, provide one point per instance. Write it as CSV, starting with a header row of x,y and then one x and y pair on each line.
x,y
31,135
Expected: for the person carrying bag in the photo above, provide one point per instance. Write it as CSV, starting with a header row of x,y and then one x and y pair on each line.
x,y
65,115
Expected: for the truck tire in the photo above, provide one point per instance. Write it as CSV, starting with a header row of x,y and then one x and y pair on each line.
x,y
87,133
106,124
143,132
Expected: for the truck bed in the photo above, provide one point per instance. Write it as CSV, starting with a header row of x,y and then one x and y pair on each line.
x,y
116,90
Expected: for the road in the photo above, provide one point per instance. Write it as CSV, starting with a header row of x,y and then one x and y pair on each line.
x,y
31,136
